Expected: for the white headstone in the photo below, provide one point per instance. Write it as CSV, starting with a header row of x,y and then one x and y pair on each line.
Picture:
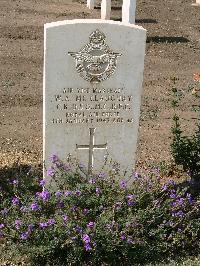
x,y
197,3
90,4
93,72
128,11
105,9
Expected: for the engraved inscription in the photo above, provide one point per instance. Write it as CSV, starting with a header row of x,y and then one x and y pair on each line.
x,y
92,106
95,62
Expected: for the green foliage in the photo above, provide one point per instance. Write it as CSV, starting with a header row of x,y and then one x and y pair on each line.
x,y
99,220
185,149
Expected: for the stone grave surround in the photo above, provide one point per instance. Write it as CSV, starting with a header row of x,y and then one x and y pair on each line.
x,y
93,72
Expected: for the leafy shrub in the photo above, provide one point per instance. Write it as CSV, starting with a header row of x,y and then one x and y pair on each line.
x,y
95,220
186,149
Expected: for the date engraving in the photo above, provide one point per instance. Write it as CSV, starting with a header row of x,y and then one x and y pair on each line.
x,y
92,106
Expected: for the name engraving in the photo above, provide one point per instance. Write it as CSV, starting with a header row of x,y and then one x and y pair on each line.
x,y
92,106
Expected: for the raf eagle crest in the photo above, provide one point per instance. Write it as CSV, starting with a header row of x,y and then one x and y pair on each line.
x,y
95,62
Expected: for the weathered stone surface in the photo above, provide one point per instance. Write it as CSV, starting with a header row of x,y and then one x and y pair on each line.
x,y
93,73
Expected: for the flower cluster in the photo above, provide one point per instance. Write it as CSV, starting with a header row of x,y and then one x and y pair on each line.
x,y
101,219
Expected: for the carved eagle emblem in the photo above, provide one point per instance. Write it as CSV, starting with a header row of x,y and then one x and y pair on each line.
x,y
95,62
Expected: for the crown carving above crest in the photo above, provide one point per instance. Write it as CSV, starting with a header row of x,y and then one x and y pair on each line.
x,y
97,37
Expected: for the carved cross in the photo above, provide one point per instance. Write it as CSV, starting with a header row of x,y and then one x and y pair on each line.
x,y
91,147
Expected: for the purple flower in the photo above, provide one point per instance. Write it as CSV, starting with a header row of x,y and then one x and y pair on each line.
x,y
4,211
74,208
135,175
110,226
165,188
87,247
35,206
130,240
178,214
67,193
102,175
123,237
51,172
24,236
92,181
65,217
24,209
30,227
60,204
43,225
58,193
86,239
2,226
18,224
173,194
45,195
98,191
118,205
130,196
180,201
15,182
171,182
189,197
91,225
78,193
37,194
51,222
170,223
66,167
85,211
15,201
42,183
54,158
78,229
130,203
123,184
